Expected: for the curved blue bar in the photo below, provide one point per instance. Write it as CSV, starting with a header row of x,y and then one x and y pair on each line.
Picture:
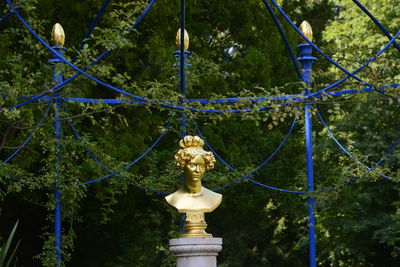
x,y
247,176
369,169
130,164
92,155
91,27
9,14
29,138
376,21
283,35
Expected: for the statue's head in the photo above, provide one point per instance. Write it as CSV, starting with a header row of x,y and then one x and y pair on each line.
x,y
193,160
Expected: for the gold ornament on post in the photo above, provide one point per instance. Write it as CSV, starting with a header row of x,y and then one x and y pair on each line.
x,y
306,29
192,198
178,39
57,35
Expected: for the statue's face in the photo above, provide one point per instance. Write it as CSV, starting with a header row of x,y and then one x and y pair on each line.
x,y
195,169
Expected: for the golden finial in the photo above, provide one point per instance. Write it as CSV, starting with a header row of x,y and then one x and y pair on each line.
x,y
57,35
178,39
306,29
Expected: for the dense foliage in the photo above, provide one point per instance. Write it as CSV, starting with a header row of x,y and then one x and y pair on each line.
x,y
236,51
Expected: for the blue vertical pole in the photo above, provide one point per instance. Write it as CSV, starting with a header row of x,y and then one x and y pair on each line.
x,y
181,56
57,79
182,70
182,86
306,61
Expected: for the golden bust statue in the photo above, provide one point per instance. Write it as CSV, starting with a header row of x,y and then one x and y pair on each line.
x,y
192,198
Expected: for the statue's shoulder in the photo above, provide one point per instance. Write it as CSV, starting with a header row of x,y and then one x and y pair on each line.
x,y
213,198
173,198
209,192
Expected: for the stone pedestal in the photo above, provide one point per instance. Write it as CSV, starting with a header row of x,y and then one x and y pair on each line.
x,y
196,251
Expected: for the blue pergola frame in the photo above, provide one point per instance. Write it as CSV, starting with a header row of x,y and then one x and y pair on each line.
x,y
304,72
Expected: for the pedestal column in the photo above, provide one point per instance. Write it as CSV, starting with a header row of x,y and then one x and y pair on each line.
x,y
196,251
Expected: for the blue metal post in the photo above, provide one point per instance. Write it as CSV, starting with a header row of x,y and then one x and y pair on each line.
x,y
182,84
182,70
181,56
306,61
57,79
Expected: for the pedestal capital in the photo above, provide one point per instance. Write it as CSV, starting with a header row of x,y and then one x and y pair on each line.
x,y
195,251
